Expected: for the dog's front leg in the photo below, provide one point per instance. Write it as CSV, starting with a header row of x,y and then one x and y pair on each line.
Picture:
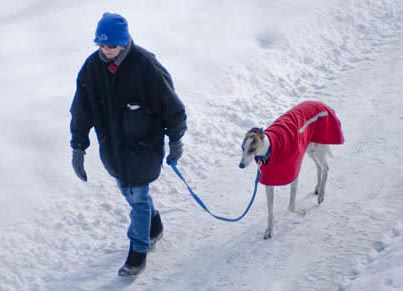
x,y
269,195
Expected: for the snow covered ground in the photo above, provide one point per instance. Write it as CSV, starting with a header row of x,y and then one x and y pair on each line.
x,y
236,64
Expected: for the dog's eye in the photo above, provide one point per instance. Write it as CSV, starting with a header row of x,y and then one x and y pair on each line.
x,y
251,151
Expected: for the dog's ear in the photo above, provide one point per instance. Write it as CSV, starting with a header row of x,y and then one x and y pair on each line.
x,y
261,132
255,130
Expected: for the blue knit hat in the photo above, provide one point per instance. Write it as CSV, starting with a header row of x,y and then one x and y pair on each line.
x,y
112,30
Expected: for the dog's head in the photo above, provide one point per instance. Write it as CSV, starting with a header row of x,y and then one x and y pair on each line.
x,y
251,146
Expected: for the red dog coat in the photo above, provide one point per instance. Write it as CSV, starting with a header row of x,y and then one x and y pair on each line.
x,y
289,136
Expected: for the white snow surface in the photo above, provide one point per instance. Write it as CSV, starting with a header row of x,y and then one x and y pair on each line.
x,y
236,65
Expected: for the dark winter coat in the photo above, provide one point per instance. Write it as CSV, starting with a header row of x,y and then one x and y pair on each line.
x,y
131,111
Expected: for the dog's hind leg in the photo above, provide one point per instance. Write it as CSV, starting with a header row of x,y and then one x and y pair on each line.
x,y
321,195
313,154
293,194
321,154
319,176
270,199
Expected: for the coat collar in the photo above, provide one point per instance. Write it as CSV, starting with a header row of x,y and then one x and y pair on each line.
x,y
265,157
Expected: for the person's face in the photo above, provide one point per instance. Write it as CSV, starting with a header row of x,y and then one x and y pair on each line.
x,y
111,51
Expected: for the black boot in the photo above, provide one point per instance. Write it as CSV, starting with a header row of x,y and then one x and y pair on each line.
x,y
156,230
134,265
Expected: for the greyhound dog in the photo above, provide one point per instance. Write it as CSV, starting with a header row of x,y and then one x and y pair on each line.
x,y
307,128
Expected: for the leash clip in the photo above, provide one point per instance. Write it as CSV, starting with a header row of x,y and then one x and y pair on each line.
x,y
259,165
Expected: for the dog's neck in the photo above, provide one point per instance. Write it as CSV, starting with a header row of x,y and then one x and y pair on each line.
x,y
263,153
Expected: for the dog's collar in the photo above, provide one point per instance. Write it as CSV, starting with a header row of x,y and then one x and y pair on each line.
x,y
265,157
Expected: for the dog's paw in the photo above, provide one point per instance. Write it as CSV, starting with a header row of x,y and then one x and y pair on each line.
x,y
320,199
267,234
300,212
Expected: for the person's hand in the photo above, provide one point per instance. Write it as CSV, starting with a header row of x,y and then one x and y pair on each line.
x,y
175,152
78,164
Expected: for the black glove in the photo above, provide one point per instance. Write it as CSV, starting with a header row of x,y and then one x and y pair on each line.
x,y
175,152
78,164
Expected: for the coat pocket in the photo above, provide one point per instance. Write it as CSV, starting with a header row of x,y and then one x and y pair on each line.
x,y
140,126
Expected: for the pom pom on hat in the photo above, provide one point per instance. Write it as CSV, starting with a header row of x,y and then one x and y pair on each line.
x,y
112,29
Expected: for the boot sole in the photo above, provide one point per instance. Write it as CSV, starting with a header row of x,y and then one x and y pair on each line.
x,y
154,241
125,271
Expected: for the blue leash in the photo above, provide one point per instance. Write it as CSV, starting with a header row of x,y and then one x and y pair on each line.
x,y
200,202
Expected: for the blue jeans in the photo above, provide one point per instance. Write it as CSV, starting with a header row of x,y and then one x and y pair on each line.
x,y
140,216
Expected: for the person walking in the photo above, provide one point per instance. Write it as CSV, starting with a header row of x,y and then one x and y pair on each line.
x,y
128,97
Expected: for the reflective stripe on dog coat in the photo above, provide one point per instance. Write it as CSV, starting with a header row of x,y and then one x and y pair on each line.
x,y
290,134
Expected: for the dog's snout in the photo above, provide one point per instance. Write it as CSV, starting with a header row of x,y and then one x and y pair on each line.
x,y
241,165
